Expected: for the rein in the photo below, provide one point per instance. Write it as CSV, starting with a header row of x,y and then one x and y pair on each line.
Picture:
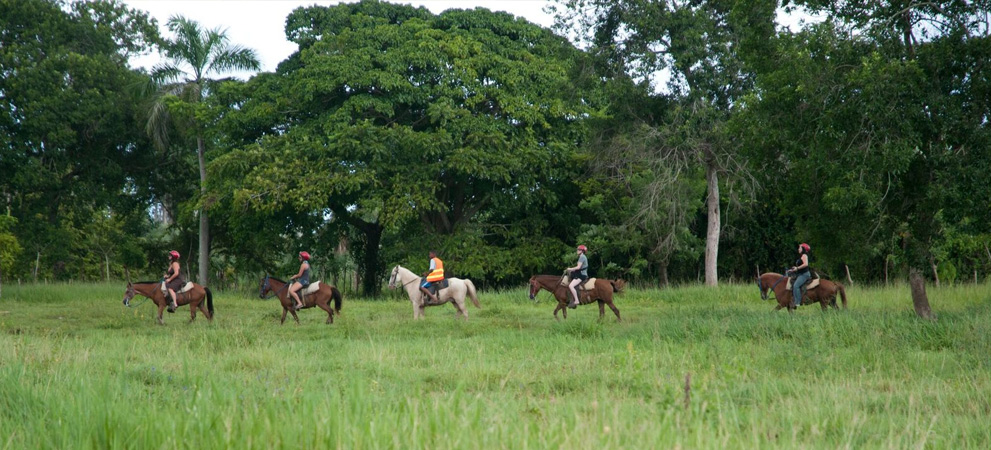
x,y
274,292
771,289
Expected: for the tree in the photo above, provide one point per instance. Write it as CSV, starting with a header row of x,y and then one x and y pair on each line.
x,y
880,114
9,247
68,139
192,56
698,45
426,130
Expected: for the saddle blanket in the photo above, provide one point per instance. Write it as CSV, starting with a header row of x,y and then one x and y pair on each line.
x,y
589,283
812,285
185,288
312,288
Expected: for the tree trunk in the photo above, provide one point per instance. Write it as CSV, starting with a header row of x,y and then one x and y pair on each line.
x,y
848,279
919,298
204,269
662,273
712,233
37,261
885,270
370,280
1,284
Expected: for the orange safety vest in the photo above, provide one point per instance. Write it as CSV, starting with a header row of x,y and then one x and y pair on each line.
x,y
438,273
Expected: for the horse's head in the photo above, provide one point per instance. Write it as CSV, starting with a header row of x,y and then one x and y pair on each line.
x,y
392,278
534,287
264,287
129,293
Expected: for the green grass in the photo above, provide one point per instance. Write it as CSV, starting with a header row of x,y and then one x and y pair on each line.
x,y
78,370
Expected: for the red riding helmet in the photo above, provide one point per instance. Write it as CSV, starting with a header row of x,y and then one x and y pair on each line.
x,y
174,254
805,247
304,255
583,248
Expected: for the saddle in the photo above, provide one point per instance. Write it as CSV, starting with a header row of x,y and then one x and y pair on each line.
x,y
587,286
312,288
185,288
813,283
436,286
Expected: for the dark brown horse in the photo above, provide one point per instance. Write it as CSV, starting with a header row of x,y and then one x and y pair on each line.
x,y
320,298
824,294
153,290
602,293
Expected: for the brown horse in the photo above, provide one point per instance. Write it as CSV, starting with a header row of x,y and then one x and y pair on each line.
x,y
602,293
320,298
824,294
153,290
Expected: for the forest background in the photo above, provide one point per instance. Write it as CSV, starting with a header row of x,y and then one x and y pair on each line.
x,y
681,141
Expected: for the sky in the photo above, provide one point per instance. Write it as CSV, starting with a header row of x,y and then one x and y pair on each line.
x,y
260,24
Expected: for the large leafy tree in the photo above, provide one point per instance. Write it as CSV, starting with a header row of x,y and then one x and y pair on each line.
x,y
193,55
697,46
880,129
453,131
67,122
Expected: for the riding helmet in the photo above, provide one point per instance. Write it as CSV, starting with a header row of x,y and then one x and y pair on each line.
x,y
174,254
304,255
583,248
805,247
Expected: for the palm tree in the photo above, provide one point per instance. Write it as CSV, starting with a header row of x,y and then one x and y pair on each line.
x,y
192,55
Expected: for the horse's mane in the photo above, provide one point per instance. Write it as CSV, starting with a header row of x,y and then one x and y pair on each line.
x,y
276,279
147,282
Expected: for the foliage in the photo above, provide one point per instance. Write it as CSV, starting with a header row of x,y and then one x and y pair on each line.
x,y
69,142
455,127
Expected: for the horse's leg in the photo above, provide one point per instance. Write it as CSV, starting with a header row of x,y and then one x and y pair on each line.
x,y
205,312
192,312
294,316
324,306
614,309
460,306
284,311
161,308
602,309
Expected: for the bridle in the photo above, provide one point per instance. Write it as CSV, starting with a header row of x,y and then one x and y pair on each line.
x,y
395,275
764,294
266,286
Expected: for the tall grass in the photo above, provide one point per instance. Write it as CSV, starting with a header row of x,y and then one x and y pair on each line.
x,y
78,370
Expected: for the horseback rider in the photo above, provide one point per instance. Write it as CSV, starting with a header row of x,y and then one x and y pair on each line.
x,y
434,275
801,273
579,273
302,279
173,279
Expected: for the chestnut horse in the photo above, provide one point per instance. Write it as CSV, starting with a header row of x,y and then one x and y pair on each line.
x,y
320,298
602,293
824,293
153,290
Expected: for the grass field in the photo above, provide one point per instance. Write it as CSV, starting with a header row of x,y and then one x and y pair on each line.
x,y
78,370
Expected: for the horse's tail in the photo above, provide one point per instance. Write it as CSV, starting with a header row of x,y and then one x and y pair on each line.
x,y
338,298
842,293
472,294
209,300
617,285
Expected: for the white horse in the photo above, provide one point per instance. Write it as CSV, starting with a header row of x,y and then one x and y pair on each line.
x,y
454,292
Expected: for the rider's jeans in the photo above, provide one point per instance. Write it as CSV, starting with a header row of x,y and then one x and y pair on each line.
x,y
796,287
